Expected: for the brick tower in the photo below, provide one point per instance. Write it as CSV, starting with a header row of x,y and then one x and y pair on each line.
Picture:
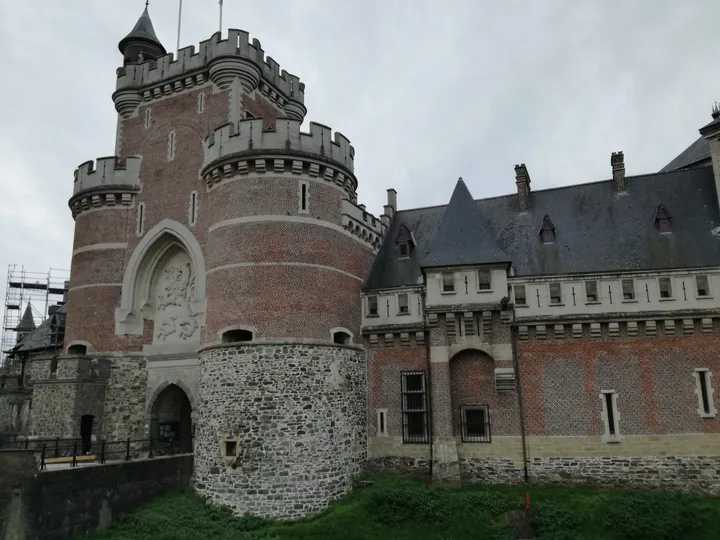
x,y
216,273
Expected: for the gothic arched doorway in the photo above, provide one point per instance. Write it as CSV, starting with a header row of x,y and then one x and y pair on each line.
x,y
171,421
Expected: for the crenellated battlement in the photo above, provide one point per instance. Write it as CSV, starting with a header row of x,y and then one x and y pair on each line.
x,y
223,60
250,136
108,173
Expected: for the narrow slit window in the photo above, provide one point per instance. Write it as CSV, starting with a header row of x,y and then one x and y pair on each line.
x,y
148,118
448,282
403,304
628,288
520,295
591,291
303,202
706,404
609,400
193,208
172,142
484,280
414,406
382,422
665,287
201,102
140,217
703,287
555,293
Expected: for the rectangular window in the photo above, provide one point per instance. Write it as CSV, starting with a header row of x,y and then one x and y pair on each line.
x,y
484,280
148,118
610,414
448,282
703,287
303,203
665,287
520,298
475,423
382,422
171,145
404,251
230,448
201,102
372,306
591,291
628,288
403,304
193,207
414,407
704,390
555,293
140,218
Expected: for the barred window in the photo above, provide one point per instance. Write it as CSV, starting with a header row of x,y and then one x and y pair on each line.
x,y
475,425
414,407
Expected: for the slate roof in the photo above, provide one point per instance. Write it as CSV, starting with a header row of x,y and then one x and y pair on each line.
x,y
143,31
42,336
463,236
698,153
597,229
27,322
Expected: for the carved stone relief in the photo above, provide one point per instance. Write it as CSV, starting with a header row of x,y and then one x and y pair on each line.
x,y
174,292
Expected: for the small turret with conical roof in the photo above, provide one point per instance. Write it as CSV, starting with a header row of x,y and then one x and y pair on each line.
x,y
26,324
141,43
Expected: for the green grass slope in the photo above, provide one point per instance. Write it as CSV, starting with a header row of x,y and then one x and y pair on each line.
x,y
394,509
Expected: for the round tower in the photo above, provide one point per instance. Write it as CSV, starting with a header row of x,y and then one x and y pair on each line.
x,y
282,429
141,43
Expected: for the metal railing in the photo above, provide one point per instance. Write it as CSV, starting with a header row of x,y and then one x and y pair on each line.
x,y
74,451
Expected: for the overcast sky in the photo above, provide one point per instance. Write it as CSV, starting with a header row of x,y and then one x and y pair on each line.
x,y
427,91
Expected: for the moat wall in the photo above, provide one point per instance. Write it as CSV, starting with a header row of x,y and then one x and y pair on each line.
x,y
67,503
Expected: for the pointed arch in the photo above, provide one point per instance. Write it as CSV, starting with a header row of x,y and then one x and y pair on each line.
x,y
157,244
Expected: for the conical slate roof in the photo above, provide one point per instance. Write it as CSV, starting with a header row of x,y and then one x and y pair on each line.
x,y
27,323
463,238
143,31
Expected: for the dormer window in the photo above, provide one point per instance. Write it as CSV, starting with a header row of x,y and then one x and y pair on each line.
x,y
404,250
547,230
405,242
663,219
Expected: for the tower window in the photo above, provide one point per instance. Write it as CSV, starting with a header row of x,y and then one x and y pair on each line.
x,y
484,280
148,117
628,288
193,208
704,391
520,295
591,291
382,422
303,202
610,414
341,338
201,102
140,218
172,143
372,306
703,287
665,287
555,293
448,282
403,304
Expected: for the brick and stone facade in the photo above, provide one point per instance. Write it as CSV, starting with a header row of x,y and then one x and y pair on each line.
x,y
226,282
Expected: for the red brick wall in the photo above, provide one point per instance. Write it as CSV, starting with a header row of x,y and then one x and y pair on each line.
x,y
652,376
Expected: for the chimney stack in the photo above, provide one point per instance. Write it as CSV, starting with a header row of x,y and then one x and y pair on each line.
x,y
617,160
522,179
390,207
711,132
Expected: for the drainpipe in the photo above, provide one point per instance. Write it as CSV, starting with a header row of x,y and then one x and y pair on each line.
x,y
429,384
513,342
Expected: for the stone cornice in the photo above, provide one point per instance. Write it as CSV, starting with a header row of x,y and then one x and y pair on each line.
x,y
102,196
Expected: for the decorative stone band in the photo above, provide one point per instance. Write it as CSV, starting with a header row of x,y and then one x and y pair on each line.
x,y
402,339
248,137
110,197
223,60
613,329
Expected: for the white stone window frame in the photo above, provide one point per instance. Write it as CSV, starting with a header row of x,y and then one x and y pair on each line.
x,y
303,184
597,291
709,294
140,219
148,118
377,305
193,208
490,280
672,289
607,436
442,283
632,300
201,102
710,391
525,288
172,145
397,300
550,287
381,424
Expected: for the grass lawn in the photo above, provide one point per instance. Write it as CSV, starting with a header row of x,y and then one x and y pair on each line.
x,y
393,509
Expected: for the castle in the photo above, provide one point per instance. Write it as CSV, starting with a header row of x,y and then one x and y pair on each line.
x,y
228,291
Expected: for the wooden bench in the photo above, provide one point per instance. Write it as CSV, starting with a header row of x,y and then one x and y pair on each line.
x,y
68,459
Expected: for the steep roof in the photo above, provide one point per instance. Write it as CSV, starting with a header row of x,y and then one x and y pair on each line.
x,y
695,154
463,237
46,334
142,31
597,230
27,322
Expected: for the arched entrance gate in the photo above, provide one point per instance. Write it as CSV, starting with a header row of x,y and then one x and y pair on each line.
x,y
171,421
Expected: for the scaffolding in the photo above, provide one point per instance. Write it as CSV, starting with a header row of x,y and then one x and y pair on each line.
x,y
40,290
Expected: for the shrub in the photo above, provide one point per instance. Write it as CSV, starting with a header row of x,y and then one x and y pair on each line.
x,y
652,516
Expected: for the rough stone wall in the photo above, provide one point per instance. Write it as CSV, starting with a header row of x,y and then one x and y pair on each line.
x,y
297,413
19,469
124,408
53,409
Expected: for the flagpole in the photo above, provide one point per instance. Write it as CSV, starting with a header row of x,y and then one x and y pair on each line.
x,y
179,24
221,14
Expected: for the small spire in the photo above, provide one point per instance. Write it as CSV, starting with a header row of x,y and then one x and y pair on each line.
x,y
27,322
142,40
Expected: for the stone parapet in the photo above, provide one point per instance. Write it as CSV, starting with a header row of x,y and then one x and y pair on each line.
x,y
105,183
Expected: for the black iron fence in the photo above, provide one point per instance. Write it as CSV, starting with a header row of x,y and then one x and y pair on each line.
x,y
75,451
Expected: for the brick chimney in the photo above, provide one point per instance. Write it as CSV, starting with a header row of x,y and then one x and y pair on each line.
x,y
522,179
712,133
617,160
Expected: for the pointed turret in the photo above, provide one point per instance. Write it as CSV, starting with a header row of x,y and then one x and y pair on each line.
x,y
462,238
26,324
141,43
